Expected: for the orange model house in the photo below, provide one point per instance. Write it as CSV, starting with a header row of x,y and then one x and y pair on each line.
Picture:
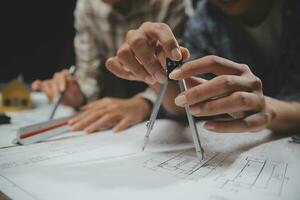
x,y
15,97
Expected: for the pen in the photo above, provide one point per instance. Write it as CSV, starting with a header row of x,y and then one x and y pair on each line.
x,y
72,71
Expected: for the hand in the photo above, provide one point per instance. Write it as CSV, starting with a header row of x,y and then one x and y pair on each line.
x,y
110,112
61,81
234,90
143,55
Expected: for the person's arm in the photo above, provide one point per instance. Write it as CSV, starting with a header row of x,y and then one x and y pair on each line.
x,y
287,114
87,52
174,13
236,91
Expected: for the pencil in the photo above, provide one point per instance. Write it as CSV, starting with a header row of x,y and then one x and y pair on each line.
x,y
72,71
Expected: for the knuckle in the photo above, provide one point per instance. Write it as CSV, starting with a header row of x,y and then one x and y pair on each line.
x,y
213,59
245,67
146,24
261,102
108,117
136,41
161,26
123,52
130,33
266,118
256,83
247,124
228,82
243,99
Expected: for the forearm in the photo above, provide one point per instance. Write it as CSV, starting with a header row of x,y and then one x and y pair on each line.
x,y
287,114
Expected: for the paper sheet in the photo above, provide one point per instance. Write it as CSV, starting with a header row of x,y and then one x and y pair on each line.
x,y
112,166
39,114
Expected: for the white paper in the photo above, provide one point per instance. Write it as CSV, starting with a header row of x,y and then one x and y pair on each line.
x,y
112,166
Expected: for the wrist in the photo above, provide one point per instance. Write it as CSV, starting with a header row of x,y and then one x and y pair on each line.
x,y
143,106
82,100
286,114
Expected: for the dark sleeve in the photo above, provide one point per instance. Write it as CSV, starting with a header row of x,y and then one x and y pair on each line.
x,y
199,33
291,90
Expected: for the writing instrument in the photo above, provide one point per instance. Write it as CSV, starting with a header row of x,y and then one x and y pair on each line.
x,y
72,71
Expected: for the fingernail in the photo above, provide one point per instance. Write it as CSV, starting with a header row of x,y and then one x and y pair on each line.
x,y
209,126
150,80
176,54
175,73
160,77
180,100
195,110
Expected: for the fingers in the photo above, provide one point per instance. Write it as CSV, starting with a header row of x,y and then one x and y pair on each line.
x,y
103,122
145,54
122,125
137,58
36,85
252,123
50,89
85,119
163,33
219,86
162,56
194,81
236,102
126,55
209,64
113,65
60,78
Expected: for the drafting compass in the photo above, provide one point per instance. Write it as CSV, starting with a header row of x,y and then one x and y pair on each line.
x,y
171,65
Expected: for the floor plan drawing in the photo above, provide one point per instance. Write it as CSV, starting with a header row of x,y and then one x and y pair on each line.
x,y
246,173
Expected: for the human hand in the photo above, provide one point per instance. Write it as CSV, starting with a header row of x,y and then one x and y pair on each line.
x,y
235,90
61,81
111,112
143,55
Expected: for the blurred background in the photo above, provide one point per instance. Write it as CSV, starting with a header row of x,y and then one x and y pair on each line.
x,y
36,38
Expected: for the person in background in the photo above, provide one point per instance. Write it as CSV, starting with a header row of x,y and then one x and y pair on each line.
x,y
222,36
101,27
